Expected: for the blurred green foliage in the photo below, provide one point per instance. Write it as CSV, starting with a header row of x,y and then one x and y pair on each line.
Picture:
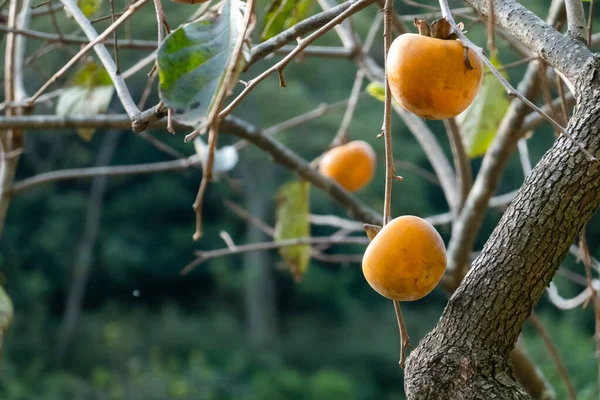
x,y
147,333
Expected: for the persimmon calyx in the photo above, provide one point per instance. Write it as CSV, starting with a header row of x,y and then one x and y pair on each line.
x,y
439,29
371,230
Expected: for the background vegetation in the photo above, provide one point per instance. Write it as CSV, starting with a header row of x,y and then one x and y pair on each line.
x,y
237,327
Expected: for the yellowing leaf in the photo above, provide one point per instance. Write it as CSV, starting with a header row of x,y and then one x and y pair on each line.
x,y
6,310
376,90
88,94
479,123
89,7
292,200
283,14
6,314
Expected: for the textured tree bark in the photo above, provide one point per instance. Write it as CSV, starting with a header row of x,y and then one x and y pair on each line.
x,y
466,355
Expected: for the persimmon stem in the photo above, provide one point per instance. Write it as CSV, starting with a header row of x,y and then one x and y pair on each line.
x,y
390,169
404,338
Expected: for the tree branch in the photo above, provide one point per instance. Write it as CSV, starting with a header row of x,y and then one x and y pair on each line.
x,y
300,29
576,20
302,44
563,52
103,54
203,256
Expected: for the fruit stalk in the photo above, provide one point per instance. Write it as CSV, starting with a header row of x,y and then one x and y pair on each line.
x,y
390,170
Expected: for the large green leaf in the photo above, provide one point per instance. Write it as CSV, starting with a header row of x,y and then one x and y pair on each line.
x,y
479,123
88,94
292,200
283,14
192,61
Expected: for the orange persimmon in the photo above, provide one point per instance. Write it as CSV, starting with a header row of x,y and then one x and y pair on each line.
x,y
405,260
352,165
430,75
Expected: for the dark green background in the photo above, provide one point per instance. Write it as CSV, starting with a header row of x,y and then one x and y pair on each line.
x,y
329,337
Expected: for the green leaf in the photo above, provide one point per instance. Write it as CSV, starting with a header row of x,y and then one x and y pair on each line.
x,y
193,59
283,14
292,200
479,123
376,90
89,93
89,7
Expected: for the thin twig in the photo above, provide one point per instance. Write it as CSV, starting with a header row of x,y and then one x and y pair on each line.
x,y
587,262
462,164
342,135
246,215
524,157
404,338
302,44
545,87
203,256
563,99
213,119
115,39
11,140
490,28
386,129
85,49
91,172
420,171
560,366
390,169
590,26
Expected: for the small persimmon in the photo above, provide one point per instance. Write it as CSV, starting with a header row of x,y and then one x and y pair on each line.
x,y
352,165
405,260
434,77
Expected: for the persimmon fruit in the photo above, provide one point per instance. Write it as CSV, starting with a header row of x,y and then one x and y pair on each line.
x,y
434,77
406,259
352,165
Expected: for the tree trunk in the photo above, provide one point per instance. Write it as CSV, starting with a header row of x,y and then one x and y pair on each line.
x,y
466,355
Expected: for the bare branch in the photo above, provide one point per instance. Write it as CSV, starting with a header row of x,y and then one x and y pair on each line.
x,y
302,44
576,20
560,366
342,135
87,173
462,164
76,40
546,42
213,119
103,54
466,228
11,141
510,89
203,256
302,28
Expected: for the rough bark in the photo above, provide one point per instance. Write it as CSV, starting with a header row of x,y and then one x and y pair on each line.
x,y
466,355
